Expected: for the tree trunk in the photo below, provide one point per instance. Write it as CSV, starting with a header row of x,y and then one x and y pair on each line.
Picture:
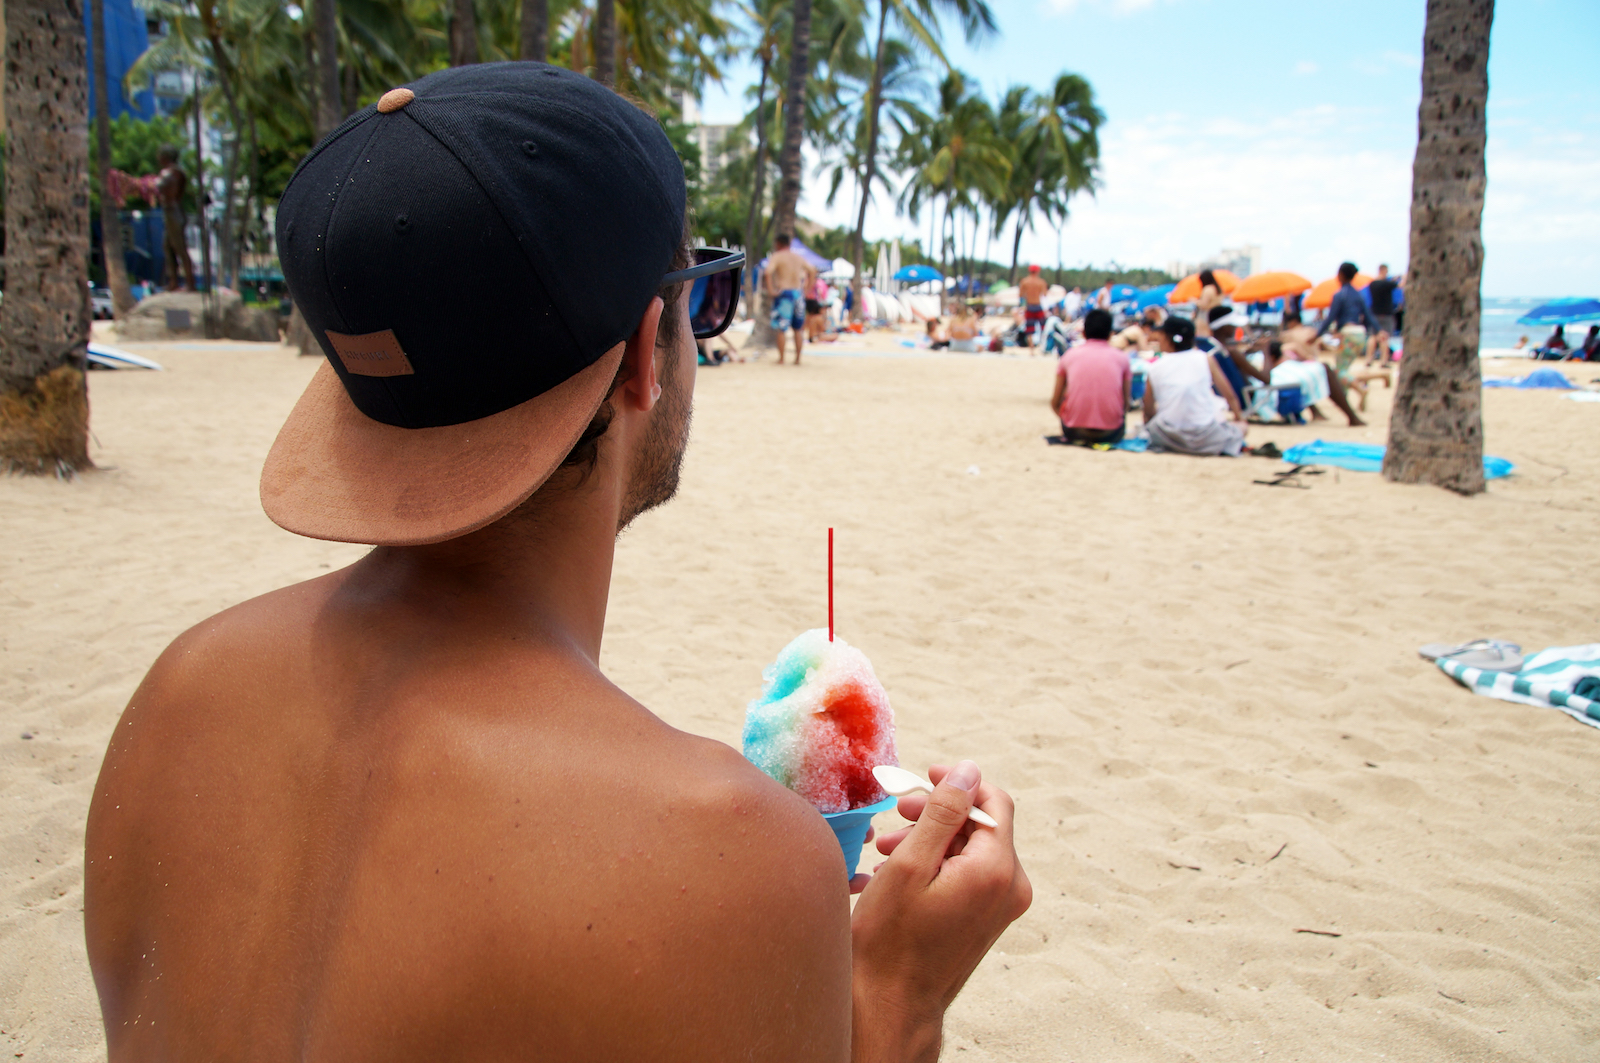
x,y
330,112
753,215
463,33
207,280
605,42
308,38
44,318
794,119
874,105
110,223
1016,250
536,30
1436,428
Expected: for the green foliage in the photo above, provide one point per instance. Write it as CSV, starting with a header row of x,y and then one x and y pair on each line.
x,y
1089,278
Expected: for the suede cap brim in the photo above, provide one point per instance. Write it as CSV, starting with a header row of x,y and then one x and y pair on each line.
x,y
334,473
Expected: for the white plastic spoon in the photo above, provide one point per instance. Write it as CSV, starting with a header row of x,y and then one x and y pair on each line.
x,y
899,782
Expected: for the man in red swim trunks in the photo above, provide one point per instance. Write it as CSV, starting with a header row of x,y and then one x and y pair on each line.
x,y
1032,290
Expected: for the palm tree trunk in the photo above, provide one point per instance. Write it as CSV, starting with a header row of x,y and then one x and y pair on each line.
x,y
44,319
753,215
329,111
110,224
874,105
536,30
605,42
1436,428
794,119
463,33
1016,250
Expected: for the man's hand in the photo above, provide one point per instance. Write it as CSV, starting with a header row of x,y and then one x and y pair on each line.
x,y
930,913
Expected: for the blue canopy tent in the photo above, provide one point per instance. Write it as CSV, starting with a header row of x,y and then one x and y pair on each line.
x,y
917,274
1156,296
1562,312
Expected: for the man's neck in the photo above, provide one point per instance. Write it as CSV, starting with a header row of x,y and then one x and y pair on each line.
x,y
544,570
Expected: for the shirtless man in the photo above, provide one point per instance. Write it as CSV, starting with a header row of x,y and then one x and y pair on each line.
x,y
787,277
171,185
398,813
1032,289
1300,342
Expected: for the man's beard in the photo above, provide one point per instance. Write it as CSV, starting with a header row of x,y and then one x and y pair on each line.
x,y
655,477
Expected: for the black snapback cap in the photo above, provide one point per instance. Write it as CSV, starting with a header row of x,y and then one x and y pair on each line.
x,y
478,237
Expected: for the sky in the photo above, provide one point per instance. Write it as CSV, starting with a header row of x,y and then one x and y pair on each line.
x,y
1291,126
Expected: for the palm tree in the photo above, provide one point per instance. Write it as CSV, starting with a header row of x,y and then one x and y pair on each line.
x,y
605,41
44,319
464,33
964,160
1436,427
920,20
329,111
110,224
535,30
1057,151
794,117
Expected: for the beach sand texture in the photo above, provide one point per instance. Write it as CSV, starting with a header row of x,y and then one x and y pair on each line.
x,y
1203,693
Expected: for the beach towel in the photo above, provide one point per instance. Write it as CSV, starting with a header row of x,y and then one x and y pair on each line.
x,y
1547,679
1310,377
1539,378
1368,457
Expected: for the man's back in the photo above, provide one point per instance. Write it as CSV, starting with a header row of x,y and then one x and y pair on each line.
x,y
329,827
788,271
1096,373
1032,289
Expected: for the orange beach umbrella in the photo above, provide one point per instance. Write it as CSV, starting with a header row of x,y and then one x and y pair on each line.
x,y
1322,294
1265,286
1188,289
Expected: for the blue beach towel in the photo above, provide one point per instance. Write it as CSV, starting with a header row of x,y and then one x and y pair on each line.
x,y
1368,457
1546,679
1539,378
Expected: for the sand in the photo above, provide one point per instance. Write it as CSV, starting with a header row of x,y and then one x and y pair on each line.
x,y
1203,693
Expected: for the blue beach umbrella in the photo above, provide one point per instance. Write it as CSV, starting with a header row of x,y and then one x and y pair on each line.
x,y
1122,293
917,274
1562,312
1156,296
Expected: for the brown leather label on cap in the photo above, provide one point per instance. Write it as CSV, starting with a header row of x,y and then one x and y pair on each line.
x,y
372,354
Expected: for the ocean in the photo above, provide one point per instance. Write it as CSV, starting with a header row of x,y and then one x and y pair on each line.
x,y
1499,326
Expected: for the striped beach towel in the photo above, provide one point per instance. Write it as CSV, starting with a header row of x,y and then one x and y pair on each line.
x,y
1546,679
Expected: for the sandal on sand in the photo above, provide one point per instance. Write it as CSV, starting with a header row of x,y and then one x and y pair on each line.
x,y
1267,450
1489,655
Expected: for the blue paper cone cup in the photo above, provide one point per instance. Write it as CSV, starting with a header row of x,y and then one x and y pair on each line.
x,y
851,829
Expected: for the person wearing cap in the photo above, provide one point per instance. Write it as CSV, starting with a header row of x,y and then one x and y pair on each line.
x,y
1032,289
1180,398
398,812
786,278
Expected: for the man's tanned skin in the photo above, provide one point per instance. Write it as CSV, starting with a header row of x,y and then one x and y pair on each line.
x,y
787,271
397,813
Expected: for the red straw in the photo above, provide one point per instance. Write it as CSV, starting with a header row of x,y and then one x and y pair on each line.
x,y
830,584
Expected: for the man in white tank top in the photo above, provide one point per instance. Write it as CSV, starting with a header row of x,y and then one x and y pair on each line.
x,y
1182,409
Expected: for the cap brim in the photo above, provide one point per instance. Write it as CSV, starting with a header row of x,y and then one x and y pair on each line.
x,y
335,473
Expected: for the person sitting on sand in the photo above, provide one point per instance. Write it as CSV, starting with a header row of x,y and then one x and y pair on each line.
x,y
398,812
1093,383
1215,335
1180,398
1555,348
937,337
1522,342
1299,343
964,331
1589,350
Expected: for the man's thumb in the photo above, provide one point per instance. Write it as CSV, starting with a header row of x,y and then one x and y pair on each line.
x,y
944,816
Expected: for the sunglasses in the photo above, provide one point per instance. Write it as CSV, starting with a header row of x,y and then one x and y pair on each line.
x,y
715,295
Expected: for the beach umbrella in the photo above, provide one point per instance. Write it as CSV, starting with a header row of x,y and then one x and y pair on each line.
x,y
1122,293
1156,296
1011,296
1264,286
842,269
1054,294
917,274
1188,289
1562,312
1322,294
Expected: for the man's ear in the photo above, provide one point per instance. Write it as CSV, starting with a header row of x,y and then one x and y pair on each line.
x,y
643,385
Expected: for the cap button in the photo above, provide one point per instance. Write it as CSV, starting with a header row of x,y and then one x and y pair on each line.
x,y
394,99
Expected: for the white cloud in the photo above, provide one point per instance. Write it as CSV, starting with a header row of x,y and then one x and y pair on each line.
x,y
1305,66
1313,188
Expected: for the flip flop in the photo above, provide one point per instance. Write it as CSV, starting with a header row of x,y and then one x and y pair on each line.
x,y
1490,655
